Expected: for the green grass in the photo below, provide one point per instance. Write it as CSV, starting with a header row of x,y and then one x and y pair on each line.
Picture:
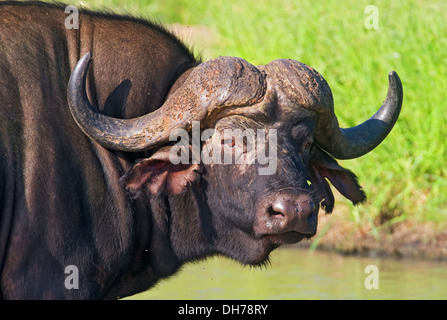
x,y
405,177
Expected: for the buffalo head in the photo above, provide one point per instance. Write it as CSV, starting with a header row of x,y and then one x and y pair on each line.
x,y
246,214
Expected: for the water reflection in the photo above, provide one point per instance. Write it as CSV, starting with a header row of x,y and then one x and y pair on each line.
x,y
300,274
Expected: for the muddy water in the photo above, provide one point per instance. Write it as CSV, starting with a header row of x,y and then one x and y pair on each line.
x,y
300,274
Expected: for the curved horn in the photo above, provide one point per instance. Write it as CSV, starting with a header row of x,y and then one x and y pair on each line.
x,y
212,85
355,142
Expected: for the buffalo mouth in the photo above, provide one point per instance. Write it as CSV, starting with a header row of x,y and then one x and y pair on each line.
x,y
290,237
256,248
267,243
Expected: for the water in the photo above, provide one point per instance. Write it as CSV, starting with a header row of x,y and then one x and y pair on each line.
x,y
301,274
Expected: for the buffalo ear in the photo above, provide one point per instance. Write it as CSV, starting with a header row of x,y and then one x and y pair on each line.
x,y
322,167
158,174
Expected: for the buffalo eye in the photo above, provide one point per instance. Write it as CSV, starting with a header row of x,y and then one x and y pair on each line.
x,y
307,146
230,143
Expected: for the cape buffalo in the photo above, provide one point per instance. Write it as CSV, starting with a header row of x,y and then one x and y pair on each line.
x,y
87,181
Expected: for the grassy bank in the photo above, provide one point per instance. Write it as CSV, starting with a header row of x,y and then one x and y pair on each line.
x,y
406,177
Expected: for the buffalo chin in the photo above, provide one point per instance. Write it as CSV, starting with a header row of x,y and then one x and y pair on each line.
x,y
258,252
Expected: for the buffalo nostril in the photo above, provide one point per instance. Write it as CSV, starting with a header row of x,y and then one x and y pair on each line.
x,y
277,209
306,207
292,207
289,213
